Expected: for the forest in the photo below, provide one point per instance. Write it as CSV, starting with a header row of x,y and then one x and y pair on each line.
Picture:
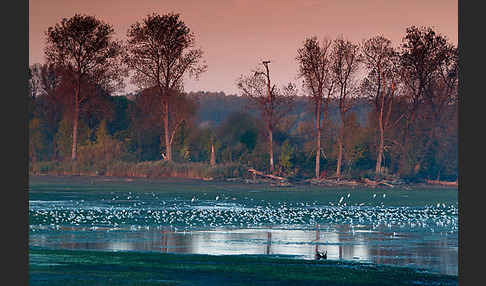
x,y
361,110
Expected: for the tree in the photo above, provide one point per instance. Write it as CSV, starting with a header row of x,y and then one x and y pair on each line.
x,y
83,47
149,103
64,137
379,85
160,51
286,156
424,56
37,139
239,135
355,149
314,68
440,104
345,60
272,102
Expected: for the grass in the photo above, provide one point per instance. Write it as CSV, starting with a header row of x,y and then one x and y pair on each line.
x,y
148,169
67,267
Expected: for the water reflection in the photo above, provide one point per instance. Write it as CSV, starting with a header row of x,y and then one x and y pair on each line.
x,y
436,252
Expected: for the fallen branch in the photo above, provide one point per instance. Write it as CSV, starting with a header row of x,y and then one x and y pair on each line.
x,y
370,182
253,171
444,183
375,183
332,182
386,184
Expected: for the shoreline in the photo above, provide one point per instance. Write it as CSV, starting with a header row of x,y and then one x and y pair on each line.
x,y
327,184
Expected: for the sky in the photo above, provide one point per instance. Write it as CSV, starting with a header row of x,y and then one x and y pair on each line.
x,y
237,35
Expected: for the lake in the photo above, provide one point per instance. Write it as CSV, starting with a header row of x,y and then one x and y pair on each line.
x,y
414,228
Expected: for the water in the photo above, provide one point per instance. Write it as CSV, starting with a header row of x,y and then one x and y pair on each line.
x,y
218,219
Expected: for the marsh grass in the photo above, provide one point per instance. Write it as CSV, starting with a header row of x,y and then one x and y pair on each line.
x,y
132,268
147,169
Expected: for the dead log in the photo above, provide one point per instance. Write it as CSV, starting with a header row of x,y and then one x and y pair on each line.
x,y
255,172
370,182
444,183
376,183
386,184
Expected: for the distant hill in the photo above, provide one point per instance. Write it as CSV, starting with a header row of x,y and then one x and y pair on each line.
x,y
215,107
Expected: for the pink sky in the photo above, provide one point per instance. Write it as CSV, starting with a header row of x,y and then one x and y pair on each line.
x,y
236,35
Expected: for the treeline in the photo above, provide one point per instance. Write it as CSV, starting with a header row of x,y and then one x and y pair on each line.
x,y
400,119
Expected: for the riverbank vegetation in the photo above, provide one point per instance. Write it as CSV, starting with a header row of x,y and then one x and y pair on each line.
x,y
172,269
365,110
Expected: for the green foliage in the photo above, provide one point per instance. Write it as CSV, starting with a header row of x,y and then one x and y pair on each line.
x,y
287,156
37,139
248,138
99,154
101,134
64,137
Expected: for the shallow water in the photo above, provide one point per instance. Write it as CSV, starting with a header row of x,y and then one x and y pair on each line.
x,y
360,225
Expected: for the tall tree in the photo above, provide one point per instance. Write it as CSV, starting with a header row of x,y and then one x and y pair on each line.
x,y
315,69
379,85
423,53
440,102
272,102
160,52
83,46
345,63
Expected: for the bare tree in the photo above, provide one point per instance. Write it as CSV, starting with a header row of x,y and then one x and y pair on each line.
x,y
83,47
380,84
314,67
440,99
345,63
272,102
423,54
160,51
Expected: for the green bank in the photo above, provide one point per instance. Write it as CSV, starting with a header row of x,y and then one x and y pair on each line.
x,y
67,267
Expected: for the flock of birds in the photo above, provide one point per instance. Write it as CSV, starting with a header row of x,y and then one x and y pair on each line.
x,y
137,211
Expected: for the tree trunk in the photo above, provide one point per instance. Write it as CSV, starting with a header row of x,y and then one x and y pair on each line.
x,y
54,149
32,153
270,118
318,147
166,130
212,162
75,122
339,159
380,154
381,145
270,143
340,143
404,165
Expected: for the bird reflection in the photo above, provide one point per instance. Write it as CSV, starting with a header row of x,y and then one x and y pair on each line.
x,y
269,242
165,239
319,255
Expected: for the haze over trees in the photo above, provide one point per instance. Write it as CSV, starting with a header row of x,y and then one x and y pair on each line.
x,y
368,109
